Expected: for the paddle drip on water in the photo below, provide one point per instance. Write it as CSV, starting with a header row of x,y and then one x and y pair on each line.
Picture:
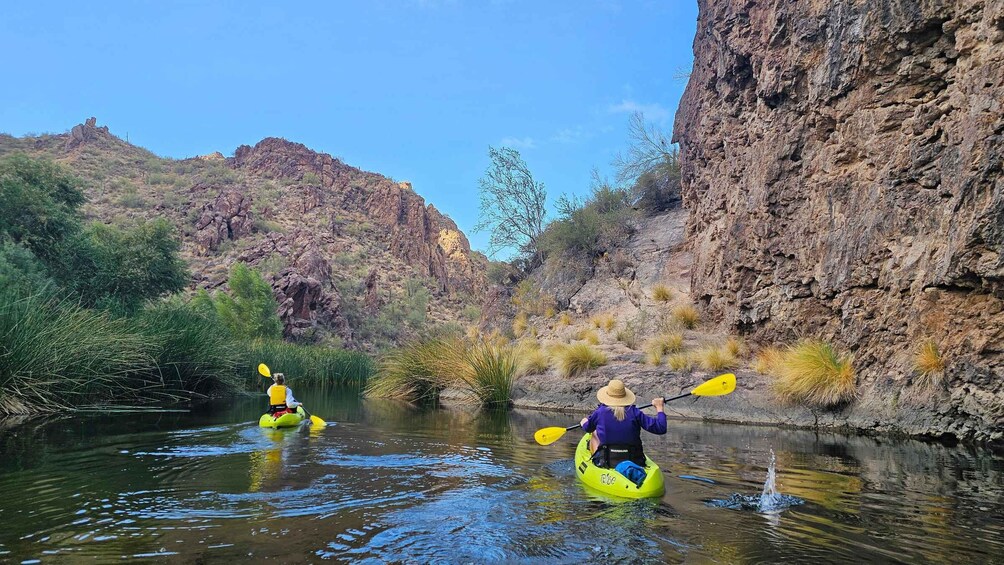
x,y
769,501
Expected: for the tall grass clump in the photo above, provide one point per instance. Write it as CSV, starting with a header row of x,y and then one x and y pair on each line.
x,y
812,372
929,363
767,360
715,358
661,293
55,355
680,362
493,371
313,364
419,371
192,352
686,316
576,358
660,345
531,358
520,324
589,336
605,322
564,319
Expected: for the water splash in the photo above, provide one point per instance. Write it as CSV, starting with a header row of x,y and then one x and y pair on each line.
x,y
769,502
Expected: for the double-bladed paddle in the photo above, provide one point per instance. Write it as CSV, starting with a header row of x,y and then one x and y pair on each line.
x,y
265,372
718,386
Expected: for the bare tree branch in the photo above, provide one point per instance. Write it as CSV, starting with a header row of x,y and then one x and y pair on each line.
x,y
512,203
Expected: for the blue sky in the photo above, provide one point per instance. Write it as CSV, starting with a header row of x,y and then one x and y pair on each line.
x,y
413,89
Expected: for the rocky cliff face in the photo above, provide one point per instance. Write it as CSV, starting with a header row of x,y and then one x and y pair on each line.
x,y
842,162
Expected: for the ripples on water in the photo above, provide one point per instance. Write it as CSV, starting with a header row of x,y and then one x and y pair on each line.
x,y
394,483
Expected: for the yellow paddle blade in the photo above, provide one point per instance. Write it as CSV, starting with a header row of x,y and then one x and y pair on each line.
x,y
263,369
316,421
718,386
547,436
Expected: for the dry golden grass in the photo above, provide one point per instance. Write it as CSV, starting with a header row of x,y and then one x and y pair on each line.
x,y
767,360
549,312
576,358
589,336
653,356
812,372
661,293
715,358
563,320
686,316
606,322
531,358
734,346
929,363
680,362
520,324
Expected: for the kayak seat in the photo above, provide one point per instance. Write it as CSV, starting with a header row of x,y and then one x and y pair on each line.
x,y
608,456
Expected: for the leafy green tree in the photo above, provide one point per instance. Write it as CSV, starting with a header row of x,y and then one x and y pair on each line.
x,y
249,311
512,204
18,266
38,205
117,268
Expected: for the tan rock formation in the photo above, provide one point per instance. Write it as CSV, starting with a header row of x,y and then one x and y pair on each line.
x,y
842,162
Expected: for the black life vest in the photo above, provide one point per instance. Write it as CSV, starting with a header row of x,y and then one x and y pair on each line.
x,y
608,456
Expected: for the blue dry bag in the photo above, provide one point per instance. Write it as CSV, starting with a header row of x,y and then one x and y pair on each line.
x,y
633,471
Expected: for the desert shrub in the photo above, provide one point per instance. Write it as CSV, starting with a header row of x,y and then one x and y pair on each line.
x,y
39,201
549,312
734,346
533,360
628,335
605,322
120,268
812,372
249,311
585,228
310,177
686,316
471,313
574,359
661,293
493,371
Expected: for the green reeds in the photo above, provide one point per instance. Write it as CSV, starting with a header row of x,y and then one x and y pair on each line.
x,y
309,364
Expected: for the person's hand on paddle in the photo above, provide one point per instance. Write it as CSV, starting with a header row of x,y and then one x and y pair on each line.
x,y
657,403
583,422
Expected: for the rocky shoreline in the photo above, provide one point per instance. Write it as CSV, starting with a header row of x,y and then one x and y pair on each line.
x,y
750,404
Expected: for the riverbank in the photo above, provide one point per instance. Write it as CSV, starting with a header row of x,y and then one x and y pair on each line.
x,y
751,404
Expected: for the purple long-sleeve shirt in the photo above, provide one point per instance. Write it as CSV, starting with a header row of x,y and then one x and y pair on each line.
x,y
609,430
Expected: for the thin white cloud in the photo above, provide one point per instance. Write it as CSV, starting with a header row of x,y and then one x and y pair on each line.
x,y
653,112
571,135
519,142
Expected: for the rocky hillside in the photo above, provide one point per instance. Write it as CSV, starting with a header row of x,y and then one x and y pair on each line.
x,y
348,251
842,163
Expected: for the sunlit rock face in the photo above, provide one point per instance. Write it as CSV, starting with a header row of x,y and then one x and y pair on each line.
x,y
842,163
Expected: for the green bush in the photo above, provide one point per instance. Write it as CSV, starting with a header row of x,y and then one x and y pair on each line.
x,y
585,229
249,311
38,205
120,268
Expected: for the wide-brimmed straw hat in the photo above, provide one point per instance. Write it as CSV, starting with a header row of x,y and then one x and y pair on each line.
x,y
615,394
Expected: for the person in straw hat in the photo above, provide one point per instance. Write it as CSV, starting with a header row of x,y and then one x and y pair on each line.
x,y
616,426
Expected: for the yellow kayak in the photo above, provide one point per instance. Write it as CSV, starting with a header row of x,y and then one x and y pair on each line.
x,y
287,420
609,481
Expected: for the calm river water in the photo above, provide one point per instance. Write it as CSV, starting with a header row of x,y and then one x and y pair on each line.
x,y
388,482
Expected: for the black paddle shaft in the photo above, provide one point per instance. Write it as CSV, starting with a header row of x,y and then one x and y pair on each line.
x,y
685,395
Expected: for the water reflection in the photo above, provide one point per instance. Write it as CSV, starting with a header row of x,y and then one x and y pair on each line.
x,y
397,482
